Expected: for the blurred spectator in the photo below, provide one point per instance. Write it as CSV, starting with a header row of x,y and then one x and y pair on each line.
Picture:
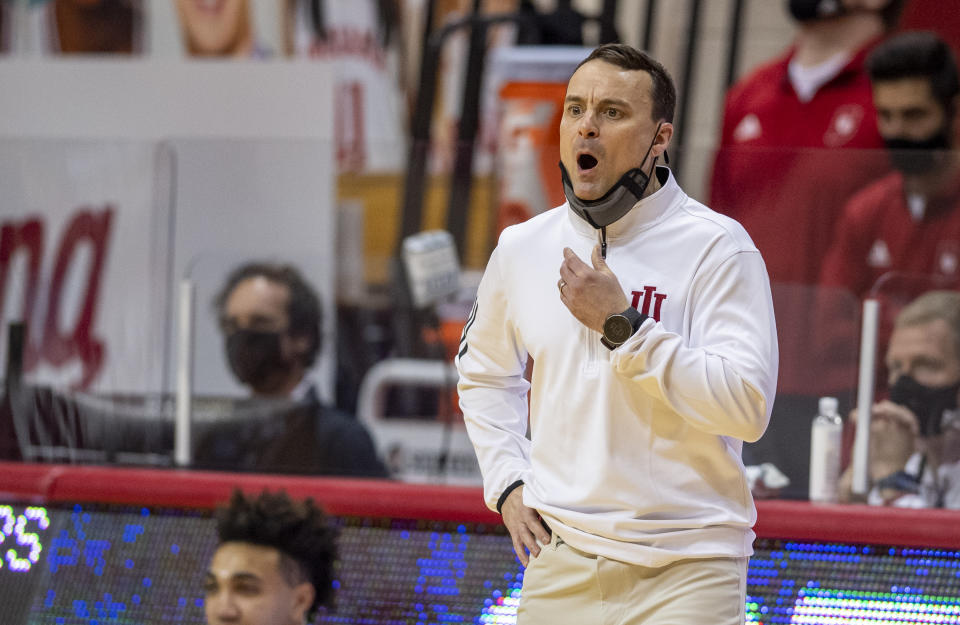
x,y
270,317
915,435
561,27
97,26
274,563
780,171
223,28
909,221
776,170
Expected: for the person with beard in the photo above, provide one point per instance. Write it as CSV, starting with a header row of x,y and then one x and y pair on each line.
x,y
908,221
649,321
271,318
915,434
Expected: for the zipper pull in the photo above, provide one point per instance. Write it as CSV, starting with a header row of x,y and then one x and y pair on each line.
x,y
603,243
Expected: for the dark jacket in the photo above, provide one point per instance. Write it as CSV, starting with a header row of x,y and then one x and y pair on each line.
x,y
303,437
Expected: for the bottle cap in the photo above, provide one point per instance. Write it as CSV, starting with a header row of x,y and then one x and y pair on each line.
x,y
828,405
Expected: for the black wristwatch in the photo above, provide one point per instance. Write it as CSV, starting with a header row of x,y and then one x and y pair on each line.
x,y
620,326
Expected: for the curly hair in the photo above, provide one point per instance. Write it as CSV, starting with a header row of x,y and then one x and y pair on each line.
x,y
299,530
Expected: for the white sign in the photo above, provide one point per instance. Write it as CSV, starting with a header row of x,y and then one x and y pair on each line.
x,y
84,230
119,178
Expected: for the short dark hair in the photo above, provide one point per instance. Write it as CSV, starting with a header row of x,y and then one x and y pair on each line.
x,y
663,93
917,54
299,530
304,312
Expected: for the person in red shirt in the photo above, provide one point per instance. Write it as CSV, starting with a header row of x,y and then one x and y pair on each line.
x,y
901,233
908,221
776,170
799,137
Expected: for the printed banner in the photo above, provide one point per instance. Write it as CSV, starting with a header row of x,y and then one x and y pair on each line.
x,y
84,238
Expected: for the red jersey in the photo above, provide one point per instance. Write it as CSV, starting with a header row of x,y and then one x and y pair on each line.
x,y
778,171
784,170
877,234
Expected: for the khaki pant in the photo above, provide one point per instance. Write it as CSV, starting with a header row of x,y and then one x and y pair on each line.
x,y
564,586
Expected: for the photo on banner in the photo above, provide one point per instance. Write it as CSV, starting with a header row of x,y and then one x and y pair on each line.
x,y
81,26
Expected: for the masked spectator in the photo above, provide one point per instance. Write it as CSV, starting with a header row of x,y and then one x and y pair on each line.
x,y
915,434
777,163
909,221
270,318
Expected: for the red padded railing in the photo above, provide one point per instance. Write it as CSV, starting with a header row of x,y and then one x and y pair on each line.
x,y
376,498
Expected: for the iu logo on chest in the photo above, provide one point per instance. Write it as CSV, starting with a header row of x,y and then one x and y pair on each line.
x,y
648,301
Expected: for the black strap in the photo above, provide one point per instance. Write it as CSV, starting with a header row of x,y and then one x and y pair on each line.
x,y
506,493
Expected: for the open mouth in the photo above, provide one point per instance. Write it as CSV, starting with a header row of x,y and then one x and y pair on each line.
x,y
586,162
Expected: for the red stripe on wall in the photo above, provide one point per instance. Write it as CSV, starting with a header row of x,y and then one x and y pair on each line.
x,y
795,520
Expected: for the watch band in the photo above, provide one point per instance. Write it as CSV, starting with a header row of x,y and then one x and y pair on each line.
x,y
608,344
633,316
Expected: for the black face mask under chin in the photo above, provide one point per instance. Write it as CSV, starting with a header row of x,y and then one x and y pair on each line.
x,y
614,204
256,358
618,200
912,156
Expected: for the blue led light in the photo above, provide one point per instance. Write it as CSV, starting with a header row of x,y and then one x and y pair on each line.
x,y
459,575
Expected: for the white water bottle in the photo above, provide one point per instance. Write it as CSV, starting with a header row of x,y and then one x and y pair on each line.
x,y
825,441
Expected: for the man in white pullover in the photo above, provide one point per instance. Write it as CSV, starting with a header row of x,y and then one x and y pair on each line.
x,y
650,324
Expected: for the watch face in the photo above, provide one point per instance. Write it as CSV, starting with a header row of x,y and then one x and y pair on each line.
x,y
617,329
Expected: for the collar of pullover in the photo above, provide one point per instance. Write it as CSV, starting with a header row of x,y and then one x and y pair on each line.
x,y
644,213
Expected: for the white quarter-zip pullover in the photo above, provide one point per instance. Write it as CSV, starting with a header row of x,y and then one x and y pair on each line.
x,y
633,454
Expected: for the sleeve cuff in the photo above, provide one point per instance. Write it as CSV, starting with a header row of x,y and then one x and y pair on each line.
x,y
506,493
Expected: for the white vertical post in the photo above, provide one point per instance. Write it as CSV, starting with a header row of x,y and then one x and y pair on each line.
x,y
868,367
181,442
